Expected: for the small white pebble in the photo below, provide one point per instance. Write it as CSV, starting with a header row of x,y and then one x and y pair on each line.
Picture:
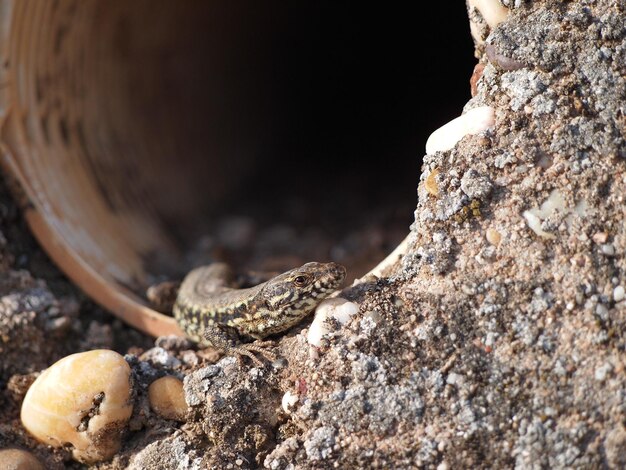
x,y
288,401
580,209
160,356
535,216
549,411
607,249
534,223
455,379
492,11
443,466
603,371
554,202
314,354
619,294
374,316
190,358
339,309
602,312
472,122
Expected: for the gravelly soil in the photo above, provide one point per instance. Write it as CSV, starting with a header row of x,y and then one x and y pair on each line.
x,y
491,345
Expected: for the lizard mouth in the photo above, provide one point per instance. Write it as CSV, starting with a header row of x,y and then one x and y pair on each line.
x,y
131,140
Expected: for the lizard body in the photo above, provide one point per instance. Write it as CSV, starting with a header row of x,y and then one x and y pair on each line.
x,y
210,311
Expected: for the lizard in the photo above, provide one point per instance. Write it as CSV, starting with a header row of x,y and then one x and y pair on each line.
x,y
211,312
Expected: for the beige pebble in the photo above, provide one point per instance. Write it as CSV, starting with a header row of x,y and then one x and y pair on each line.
x,y
493,236
600,237
476,76
492,11
167,398
431,183
18,459
336,308
84,400
474,121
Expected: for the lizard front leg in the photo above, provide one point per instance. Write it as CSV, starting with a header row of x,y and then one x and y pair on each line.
x,y
227,339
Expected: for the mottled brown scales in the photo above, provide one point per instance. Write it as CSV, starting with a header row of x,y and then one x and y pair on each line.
x,y
213,313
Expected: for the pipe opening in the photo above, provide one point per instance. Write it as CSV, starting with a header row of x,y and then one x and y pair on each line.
x,y
152,136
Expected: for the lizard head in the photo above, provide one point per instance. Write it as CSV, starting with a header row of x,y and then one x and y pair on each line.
x,y
298,291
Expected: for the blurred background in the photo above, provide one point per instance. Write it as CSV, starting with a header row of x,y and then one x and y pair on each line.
x,y
334,104
325,93
167,134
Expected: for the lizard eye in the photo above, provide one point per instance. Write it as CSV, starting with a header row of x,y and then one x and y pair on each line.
x,y
301,281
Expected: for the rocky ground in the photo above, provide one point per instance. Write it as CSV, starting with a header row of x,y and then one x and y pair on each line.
x,y
498,342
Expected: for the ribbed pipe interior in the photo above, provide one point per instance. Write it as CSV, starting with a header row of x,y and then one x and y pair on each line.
x,y
134,125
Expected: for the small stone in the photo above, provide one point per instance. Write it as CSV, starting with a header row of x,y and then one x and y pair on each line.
x,y
475,185
190,358
615,445
336,308
602,312
534,223
314,354
455,379
59,325
607,249
484,16
160,356
493,236
600,237
492,11
84,400
18,459
167,398
476,76
602,372
474,121
431,183
169,452
288,401
619,294
535,217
